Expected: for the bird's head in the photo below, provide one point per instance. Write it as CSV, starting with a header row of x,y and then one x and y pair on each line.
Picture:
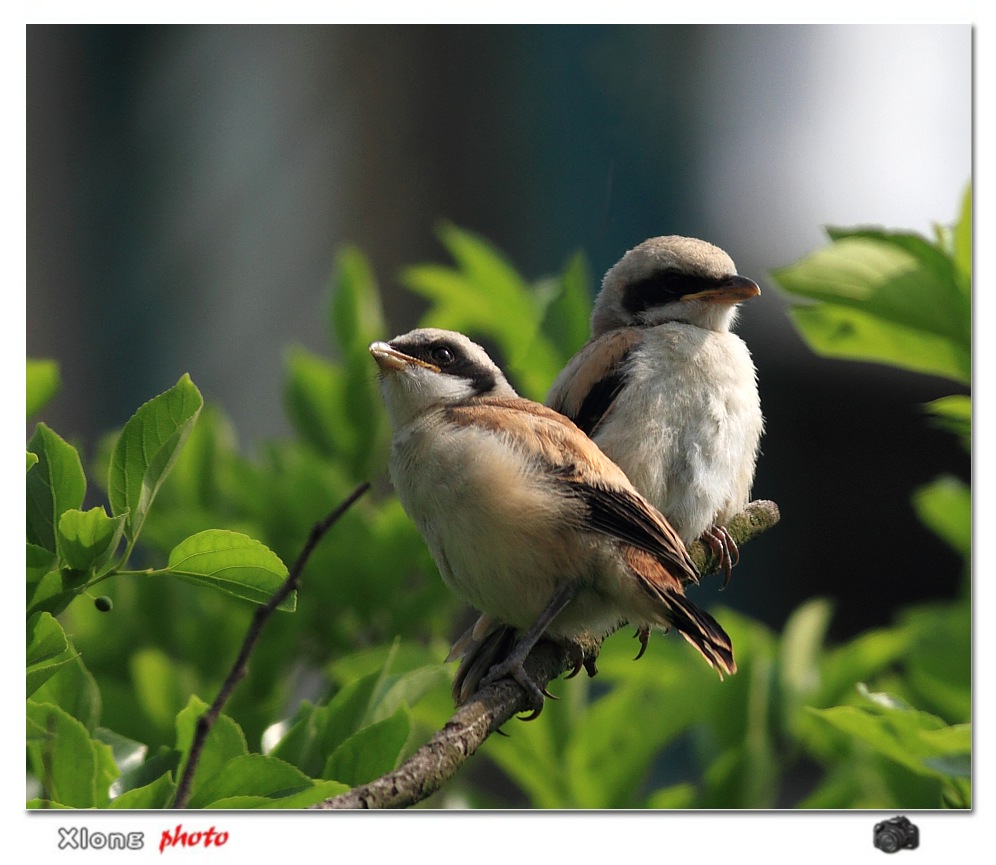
x,y
671,279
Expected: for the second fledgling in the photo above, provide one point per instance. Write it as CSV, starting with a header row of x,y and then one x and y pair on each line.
x,y
526,518
666,388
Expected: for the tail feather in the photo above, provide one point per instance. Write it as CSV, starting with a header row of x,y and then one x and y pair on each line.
x,y
486,643
702,631
672,609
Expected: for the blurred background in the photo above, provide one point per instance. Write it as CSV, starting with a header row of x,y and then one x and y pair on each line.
x,y
188,188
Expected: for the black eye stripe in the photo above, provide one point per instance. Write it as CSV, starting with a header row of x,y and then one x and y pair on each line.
x,y
664,286
482,379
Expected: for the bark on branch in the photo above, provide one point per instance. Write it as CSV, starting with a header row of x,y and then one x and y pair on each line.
x,y
439,759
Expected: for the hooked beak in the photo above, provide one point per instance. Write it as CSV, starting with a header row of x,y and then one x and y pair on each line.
x,y
391,360
732,290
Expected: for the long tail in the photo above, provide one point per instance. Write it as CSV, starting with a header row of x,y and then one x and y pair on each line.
x,y
670,608
702,631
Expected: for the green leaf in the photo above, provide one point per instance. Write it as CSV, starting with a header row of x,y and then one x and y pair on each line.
x,y
565,320
74,690
912,738
850,334
156,794
251,775
232,562
532,759
408,689
32,460
89,538
146,450
39,561
405,656
63,757
358,320
962,236
160,686
46,639
336,408
55,485
945,506
887,297
127,753
357,316
225,741
197,479
485,298
801,648
372,751
939,661
148,776
316,731
673,797
608,757
319,792
865,656
315,397
42,384
48,589
954,413
48,650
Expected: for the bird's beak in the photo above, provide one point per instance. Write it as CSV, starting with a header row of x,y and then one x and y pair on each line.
x,y
391,360
732,290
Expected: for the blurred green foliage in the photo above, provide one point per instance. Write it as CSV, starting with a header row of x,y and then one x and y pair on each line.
x,y
194,533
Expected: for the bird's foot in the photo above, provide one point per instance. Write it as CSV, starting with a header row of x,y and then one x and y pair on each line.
x,y
580,659
512,668
721,542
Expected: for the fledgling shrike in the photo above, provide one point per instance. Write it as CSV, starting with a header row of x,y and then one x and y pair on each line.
x,y
667,390
526,518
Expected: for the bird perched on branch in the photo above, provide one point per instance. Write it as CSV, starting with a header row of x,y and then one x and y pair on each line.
x,y
527,520
667,390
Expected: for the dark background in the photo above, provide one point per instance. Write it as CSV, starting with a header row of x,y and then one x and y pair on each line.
x,y
187,188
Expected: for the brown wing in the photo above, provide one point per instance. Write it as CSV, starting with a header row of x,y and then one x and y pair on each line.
x,y
589,384
575,462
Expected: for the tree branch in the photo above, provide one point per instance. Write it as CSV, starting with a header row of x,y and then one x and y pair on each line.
x,y
241,666
439,759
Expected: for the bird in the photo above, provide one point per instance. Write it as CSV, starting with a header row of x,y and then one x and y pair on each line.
x,y
527,519
666,388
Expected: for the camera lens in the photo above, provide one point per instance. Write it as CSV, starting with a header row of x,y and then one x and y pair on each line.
x,y
887,840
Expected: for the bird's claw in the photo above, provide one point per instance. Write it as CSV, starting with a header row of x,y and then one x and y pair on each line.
x,y
643,635
720,541
514,670
577,659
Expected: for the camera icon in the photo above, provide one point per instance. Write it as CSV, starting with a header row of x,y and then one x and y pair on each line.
x,y
893,835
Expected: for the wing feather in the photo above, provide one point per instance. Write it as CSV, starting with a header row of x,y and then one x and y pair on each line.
x,y
575,463
588,386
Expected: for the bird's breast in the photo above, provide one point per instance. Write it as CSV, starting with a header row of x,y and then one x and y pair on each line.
x,y
687,425
501,535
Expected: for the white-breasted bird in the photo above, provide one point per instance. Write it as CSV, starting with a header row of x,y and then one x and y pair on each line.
x,y
667,390
526,518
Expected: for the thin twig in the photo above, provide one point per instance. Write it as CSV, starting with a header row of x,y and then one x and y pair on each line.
x,y
239,669
438,760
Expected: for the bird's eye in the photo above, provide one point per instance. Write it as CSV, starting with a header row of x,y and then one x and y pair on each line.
x,y
441,355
